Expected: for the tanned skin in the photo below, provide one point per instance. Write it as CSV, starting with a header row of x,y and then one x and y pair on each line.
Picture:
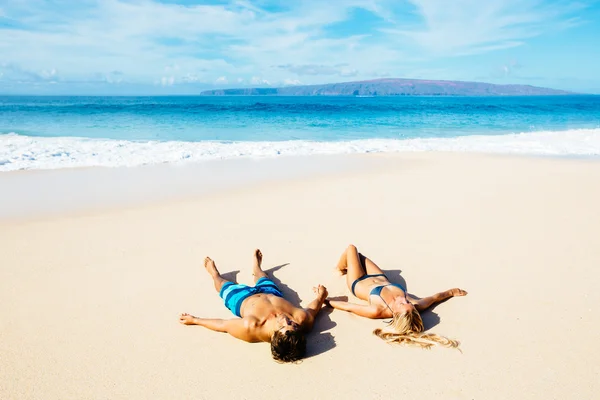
x,y
397,300
262,314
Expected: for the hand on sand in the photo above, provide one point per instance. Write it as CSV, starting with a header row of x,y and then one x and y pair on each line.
x,y
186,319
320,291
458,292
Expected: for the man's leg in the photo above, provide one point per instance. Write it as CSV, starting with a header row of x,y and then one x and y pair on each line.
x,y
266,286
211,268
257,272
218,281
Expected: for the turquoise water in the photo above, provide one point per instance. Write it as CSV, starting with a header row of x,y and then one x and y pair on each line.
x,y
286,124
291,118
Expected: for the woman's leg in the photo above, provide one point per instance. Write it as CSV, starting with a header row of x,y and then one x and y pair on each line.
x,y
350,265
371,267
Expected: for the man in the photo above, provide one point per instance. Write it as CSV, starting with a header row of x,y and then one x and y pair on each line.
x,y
265,316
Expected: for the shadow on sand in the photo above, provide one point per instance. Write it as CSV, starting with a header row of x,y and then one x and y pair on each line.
x,y
288,293
231,276
318,340
430,318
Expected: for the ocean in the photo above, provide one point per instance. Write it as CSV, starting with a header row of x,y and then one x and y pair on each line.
x,y
65,132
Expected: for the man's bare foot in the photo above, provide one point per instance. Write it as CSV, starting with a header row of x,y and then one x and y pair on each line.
x,y
257,258
210,266
257,271
187,319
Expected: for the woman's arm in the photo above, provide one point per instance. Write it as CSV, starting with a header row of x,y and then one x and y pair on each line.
x,y
364,311
425,303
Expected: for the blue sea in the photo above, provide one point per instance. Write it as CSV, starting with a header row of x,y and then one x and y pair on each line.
x,y
58,132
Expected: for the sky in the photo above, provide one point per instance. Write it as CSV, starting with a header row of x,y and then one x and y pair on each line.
x,y
139,47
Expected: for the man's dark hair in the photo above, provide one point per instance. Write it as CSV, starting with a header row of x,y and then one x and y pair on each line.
x,y
289,346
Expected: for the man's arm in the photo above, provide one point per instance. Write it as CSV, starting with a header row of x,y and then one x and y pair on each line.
x,y
425,303
237,327
314,307
364,311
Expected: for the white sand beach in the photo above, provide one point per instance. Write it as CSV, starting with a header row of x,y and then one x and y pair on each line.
x,y
90,297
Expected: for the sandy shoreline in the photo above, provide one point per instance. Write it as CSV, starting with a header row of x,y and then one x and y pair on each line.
x,y
89,302
34,194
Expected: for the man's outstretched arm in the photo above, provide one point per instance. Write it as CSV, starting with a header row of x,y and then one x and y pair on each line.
x,y
314,307
237,327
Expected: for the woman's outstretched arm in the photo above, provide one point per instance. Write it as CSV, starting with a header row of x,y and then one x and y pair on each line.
x,y
364,311
425,303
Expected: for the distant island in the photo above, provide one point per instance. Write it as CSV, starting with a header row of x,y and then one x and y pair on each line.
x,y
394,87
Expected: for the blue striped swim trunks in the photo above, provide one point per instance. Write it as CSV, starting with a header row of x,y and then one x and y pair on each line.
x,y
234,294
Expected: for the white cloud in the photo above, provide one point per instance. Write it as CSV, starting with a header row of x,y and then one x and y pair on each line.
x,y
256,80
203,43
113,77
167,81
190,78
48,74
291,82
221,80
19,74
462,27
170,39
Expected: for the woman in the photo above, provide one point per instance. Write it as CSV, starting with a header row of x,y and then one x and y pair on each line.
x,y
389,300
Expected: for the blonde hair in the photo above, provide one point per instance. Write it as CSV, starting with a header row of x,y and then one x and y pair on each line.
x,y
407,328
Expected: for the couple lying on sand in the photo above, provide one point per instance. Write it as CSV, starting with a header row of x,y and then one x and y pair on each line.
x,y
265,316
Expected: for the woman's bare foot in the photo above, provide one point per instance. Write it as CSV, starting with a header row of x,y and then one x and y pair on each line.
x,y
458,292
342,268
210,266
187,319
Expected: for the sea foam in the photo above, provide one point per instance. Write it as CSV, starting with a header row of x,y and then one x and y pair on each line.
x,y
18,152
